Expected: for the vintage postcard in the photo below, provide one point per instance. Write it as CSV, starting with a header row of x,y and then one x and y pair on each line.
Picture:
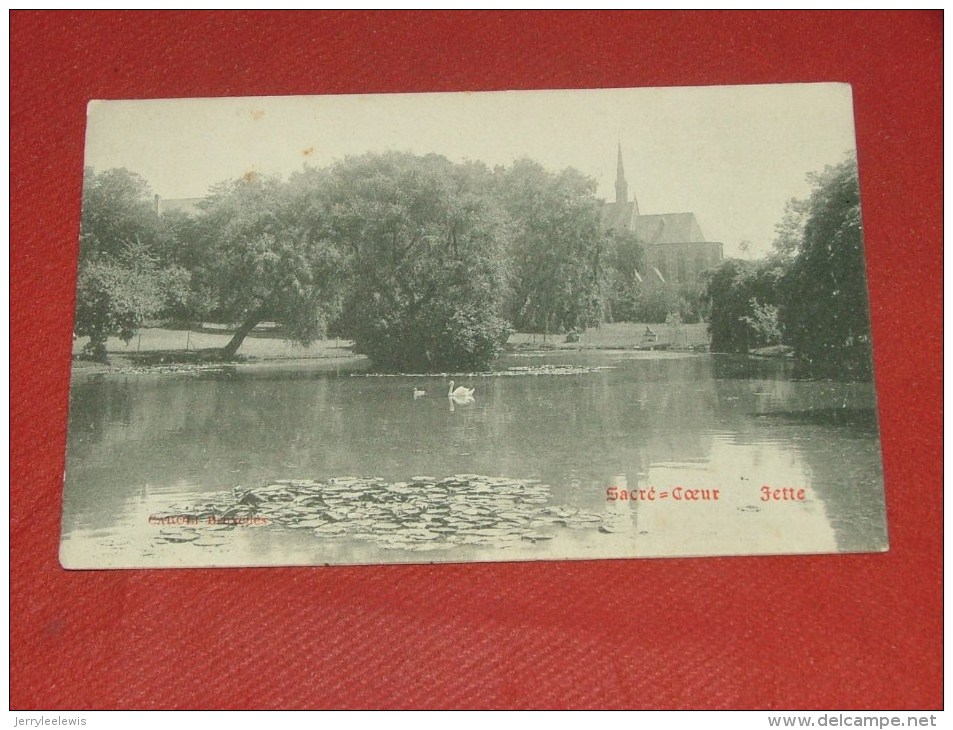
x,y
533,325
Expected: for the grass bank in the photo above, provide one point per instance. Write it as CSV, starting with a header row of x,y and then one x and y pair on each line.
x,y
621,336
163,347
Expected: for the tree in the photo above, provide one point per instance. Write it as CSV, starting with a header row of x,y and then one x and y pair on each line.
x,y
626,263
765,320
826,314
812,293
789,232
655,302
118,216
741,296
261,253
122,279
113,299
424,242
558,258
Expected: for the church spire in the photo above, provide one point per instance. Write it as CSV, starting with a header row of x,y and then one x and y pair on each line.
x,y
621,188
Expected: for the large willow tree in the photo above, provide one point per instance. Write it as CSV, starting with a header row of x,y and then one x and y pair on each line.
x,y
424,243
262,254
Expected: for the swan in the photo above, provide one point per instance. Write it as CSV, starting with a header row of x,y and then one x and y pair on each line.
x,y
418,393
460,392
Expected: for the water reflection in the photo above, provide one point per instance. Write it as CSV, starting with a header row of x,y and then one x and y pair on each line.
x,y
139,443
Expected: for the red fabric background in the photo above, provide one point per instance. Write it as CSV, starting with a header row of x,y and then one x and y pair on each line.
x,y
859,631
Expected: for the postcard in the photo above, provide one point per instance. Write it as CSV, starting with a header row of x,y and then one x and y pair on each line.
x,y
453,327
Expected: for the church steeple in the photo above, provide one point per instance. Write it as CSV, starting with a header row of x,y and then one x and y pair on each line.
x,y
621,188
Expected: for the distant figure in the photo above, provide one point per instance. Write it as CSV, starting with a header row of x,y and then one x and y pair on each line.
x,y
418,393
650,335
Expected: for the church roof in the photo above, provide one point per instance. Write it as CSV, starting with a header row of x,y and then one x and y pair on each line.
x,y
617,216
667,228
186,205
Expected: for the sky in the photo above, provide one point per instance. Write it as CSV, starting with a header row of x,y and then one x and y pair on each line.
x,y
733,155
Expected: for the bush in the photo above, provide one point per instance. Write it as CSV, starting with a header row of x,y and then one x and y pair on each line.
x,y
743,298
442,339
765,320
112,300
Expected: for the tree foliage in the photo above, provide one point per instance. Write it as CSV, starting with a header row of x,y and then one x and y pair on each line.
x,y
765,320
826,314
424,242
123,278
633,296
655,302
733,290
118,219
624,274
789,232
812,293
423,263
558,254
263,254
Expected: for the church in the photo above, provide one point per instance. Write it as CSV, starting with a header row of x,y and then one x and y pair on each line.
x,y
676,249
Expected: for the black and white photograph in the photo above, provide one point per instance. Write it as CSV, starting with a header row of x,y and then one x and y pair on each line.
x,y
456,327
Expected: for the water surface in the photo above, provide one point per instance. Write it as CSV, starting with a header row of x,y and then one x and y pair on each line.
x,y
139,444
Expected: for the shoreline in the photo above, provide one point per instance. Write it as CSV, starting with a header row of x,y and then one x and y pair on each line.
x,y
158,350
120,365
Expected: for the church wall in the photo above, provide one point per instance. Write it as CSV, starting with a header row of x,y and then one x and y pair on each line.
x,y
682,263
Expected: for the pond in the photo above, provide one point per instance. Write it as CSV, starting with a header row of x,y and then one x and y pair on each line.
x,y
624,454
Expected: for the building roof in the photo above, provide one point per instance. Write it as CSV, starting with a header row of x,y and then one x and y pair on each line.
x,y
618,216
668,228
186,205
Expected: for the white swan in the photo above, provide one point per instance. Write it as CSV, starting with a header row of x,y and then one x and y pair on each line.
x,y
418,393
460,392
